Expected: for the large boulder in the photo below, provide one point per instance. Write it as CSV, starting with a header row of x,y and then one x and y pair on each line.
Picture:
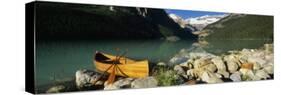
x,y
236,77
210,67
179,70
269,68
220,66
261,75
86,78
232,63
144,82
210,77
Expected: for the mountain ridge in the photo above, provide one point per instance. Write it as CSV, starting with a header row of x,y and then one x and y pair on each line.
x,y
196,23
66,21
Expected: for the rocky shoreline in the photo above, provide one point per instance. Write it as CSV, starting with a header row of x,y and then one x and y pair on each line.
x,y
243,65
186,68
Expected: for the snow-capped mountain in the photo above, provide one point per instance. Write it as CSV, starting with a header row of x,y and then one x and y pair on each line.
x,y
178,20
203,21
198,22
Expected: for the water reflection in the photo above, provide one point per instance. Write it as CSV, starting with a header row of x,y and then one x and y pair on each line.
x,y
222,46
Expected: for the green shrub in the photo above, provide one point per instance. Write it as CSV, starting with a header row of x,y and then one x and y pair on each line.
x,y
166,77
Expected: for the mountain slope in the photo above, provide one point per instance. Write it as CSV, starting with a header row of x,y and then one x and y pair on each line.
x,y
60,21
237,26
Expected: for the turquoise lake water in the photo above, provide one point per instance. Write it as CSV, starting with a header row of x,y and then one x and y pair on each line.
x,y
60,60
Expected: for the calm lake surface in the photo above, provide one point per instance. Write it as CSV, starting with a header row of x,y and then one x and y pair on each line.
x,y
60,60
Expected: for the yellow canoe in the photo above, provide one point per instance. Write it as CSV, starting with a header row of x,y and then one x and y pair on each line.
x,y
126,67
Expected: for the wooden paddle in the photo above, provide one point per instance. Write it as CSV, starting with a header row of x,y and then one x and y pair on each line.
x,y
111,77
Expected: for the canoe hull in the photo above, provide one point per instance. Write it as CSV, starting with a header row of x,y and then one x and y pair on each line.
x,y
132,68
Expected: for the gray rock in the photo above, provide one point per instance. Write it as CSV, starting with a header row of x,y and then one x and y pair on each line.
x,y
246,51
144,82
172,38
258,53
179,70
185,76
110,87
218,75
199,63
193,73
256,60
56,89
211,67
231,62
100,82
210,77
219,63
236,77
269,58
184,64
86,78
177,60
261,74
256,66
201,54
122,83
268,48
269,68
220,66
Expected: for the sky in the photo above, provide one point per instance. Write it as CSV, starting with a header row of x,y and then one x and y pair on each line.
x,y
187,13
